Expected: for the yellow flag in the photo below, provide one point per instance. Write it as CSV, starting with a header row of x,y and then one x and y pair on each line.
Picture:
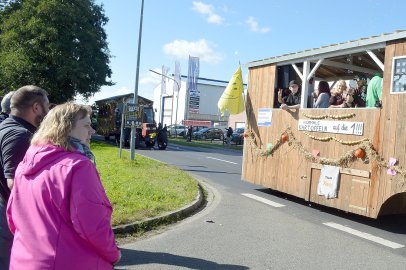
x,y
232,98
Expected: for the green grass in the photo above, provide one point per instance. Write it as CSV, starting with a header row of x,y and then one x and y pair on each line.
x,y
204,144
141,188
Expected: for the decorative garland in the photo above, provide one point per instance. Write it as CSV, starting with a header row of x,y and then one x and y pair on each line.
x,y
365,151
337,117
329,138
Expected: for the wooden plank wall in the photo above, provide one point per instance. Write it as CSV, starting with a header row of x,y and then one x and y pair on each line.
x,y
287,170
393,142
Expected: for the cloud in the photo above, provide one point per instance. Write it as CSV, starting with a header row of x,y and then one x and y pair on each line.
x,y
151,79
253,25
207,10
202,48
147,82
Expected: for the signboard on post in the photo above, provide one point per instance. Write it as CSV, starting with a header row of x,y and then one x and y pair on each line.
x,y
131,115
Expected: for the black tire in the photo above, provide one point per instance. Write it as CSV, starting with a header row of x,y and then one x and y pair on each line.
x,y
150,144
162,147
107,138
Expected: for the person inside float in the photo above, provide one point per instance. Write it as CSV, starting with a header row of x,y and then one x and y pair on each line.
x,y
322,95
291,101
342,96
360,92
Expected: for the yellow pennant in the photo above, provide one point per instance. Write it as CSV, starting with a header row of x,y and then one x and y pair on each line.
x,y
232,98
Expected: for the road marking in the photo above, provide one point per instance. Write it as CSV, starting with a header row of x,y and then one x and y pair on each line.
x,y
260,199
222,160
367,236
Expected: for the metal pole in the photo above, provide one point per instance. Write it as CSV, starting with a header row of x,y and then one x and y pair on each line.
x,y
135,101
173,95
177,102
122,127
132,142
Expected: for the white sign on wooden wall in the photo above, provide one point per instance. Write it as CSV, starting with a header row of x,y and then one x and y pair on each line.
x,y
338,127
264,117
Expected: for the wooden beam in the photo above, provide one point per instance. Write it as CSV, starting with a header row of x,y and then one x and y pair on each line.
x,y
305,84
350,67
376,59
297,71
314,69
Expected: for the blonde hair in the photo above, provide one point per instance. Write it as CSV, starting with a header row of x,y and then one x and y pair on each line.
x,y
341,83
58,124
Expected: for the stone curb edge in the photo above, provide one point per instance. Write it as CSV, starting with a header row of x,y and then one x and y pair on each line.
x,y
164,219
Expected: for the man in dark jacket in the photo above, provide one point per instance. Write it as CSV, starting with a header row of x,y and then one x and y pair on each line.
x,y
29,105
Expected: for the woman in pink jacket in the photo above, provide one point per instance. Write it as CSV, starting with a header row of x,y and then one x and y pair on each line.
x,y
58,210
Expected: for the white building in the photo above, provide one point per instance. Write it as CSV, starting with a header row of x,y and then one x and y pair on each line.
x,y
204,112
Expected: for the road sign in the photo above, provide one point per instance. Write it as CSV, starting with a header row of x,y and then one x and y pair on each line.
x,y
132,115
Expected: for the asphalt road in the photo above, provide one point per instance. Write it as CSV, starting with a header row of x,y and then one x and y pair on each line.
x,y
237,231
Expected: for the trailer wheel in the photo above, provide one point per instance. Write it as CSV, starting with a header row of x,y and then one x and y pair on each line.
x,y
162,147
149,144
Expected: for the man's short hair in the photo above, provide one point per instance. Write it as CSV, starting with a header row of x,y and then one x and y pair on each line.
x,y
6,101
26,96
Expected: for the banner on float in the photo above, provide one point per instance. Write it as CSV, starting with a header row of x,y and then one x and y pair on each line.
x,y
338,127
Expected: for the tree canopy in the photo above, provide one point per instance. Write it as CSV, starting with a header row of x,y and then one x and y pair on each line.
x,y
59,45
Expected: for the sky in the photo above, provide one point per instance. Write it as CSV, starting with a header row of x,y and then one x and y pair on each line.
x,y
225,33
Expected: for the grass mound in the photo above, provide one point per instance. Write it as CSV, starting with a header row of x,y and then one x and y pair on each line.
x,y
141,188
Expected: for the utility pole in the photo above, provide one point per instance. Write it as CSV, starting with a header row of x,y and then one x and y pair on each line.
x,y
135,101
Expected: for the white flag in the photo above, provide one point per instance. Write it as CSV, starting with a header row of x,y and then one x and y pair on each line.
x,y
163,82
178,80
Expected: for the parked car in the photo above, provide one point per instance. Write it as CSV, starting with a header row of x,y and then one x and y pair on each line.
x,y
238,136
194,129
175,130
209,133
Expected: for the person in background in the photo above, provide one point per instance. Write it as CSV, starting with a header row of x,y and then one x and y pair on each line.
x,y
323,95
5,106
292,101
229,134
58,210
189,133
374,92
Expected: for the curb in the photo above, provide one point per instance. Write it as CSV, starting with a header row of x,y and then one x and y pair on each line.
x,y
203,149
164,219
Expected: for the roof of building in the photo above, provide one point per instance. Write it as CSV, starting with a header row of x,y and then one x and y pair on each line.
x,y
332,50
125,96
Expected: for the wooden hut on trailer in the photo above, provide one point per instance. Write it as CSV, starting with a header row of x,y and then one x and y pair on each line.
x,y
357,153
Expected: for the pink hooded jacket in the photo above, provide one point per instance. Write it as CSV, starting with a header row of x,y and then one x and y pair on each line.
x,y
59,213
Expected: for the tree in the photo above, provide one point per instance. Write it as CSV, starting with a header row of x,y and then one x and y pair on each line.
x,y
59,45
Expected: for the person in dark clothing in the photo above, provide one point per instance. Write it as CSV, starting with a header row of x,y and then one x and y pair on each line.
x,y
189,133
229,134
292,101
29,105
5,106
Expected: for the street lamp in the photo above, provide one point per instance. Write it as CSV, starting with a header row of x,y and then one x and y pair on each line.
x,y
177,98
